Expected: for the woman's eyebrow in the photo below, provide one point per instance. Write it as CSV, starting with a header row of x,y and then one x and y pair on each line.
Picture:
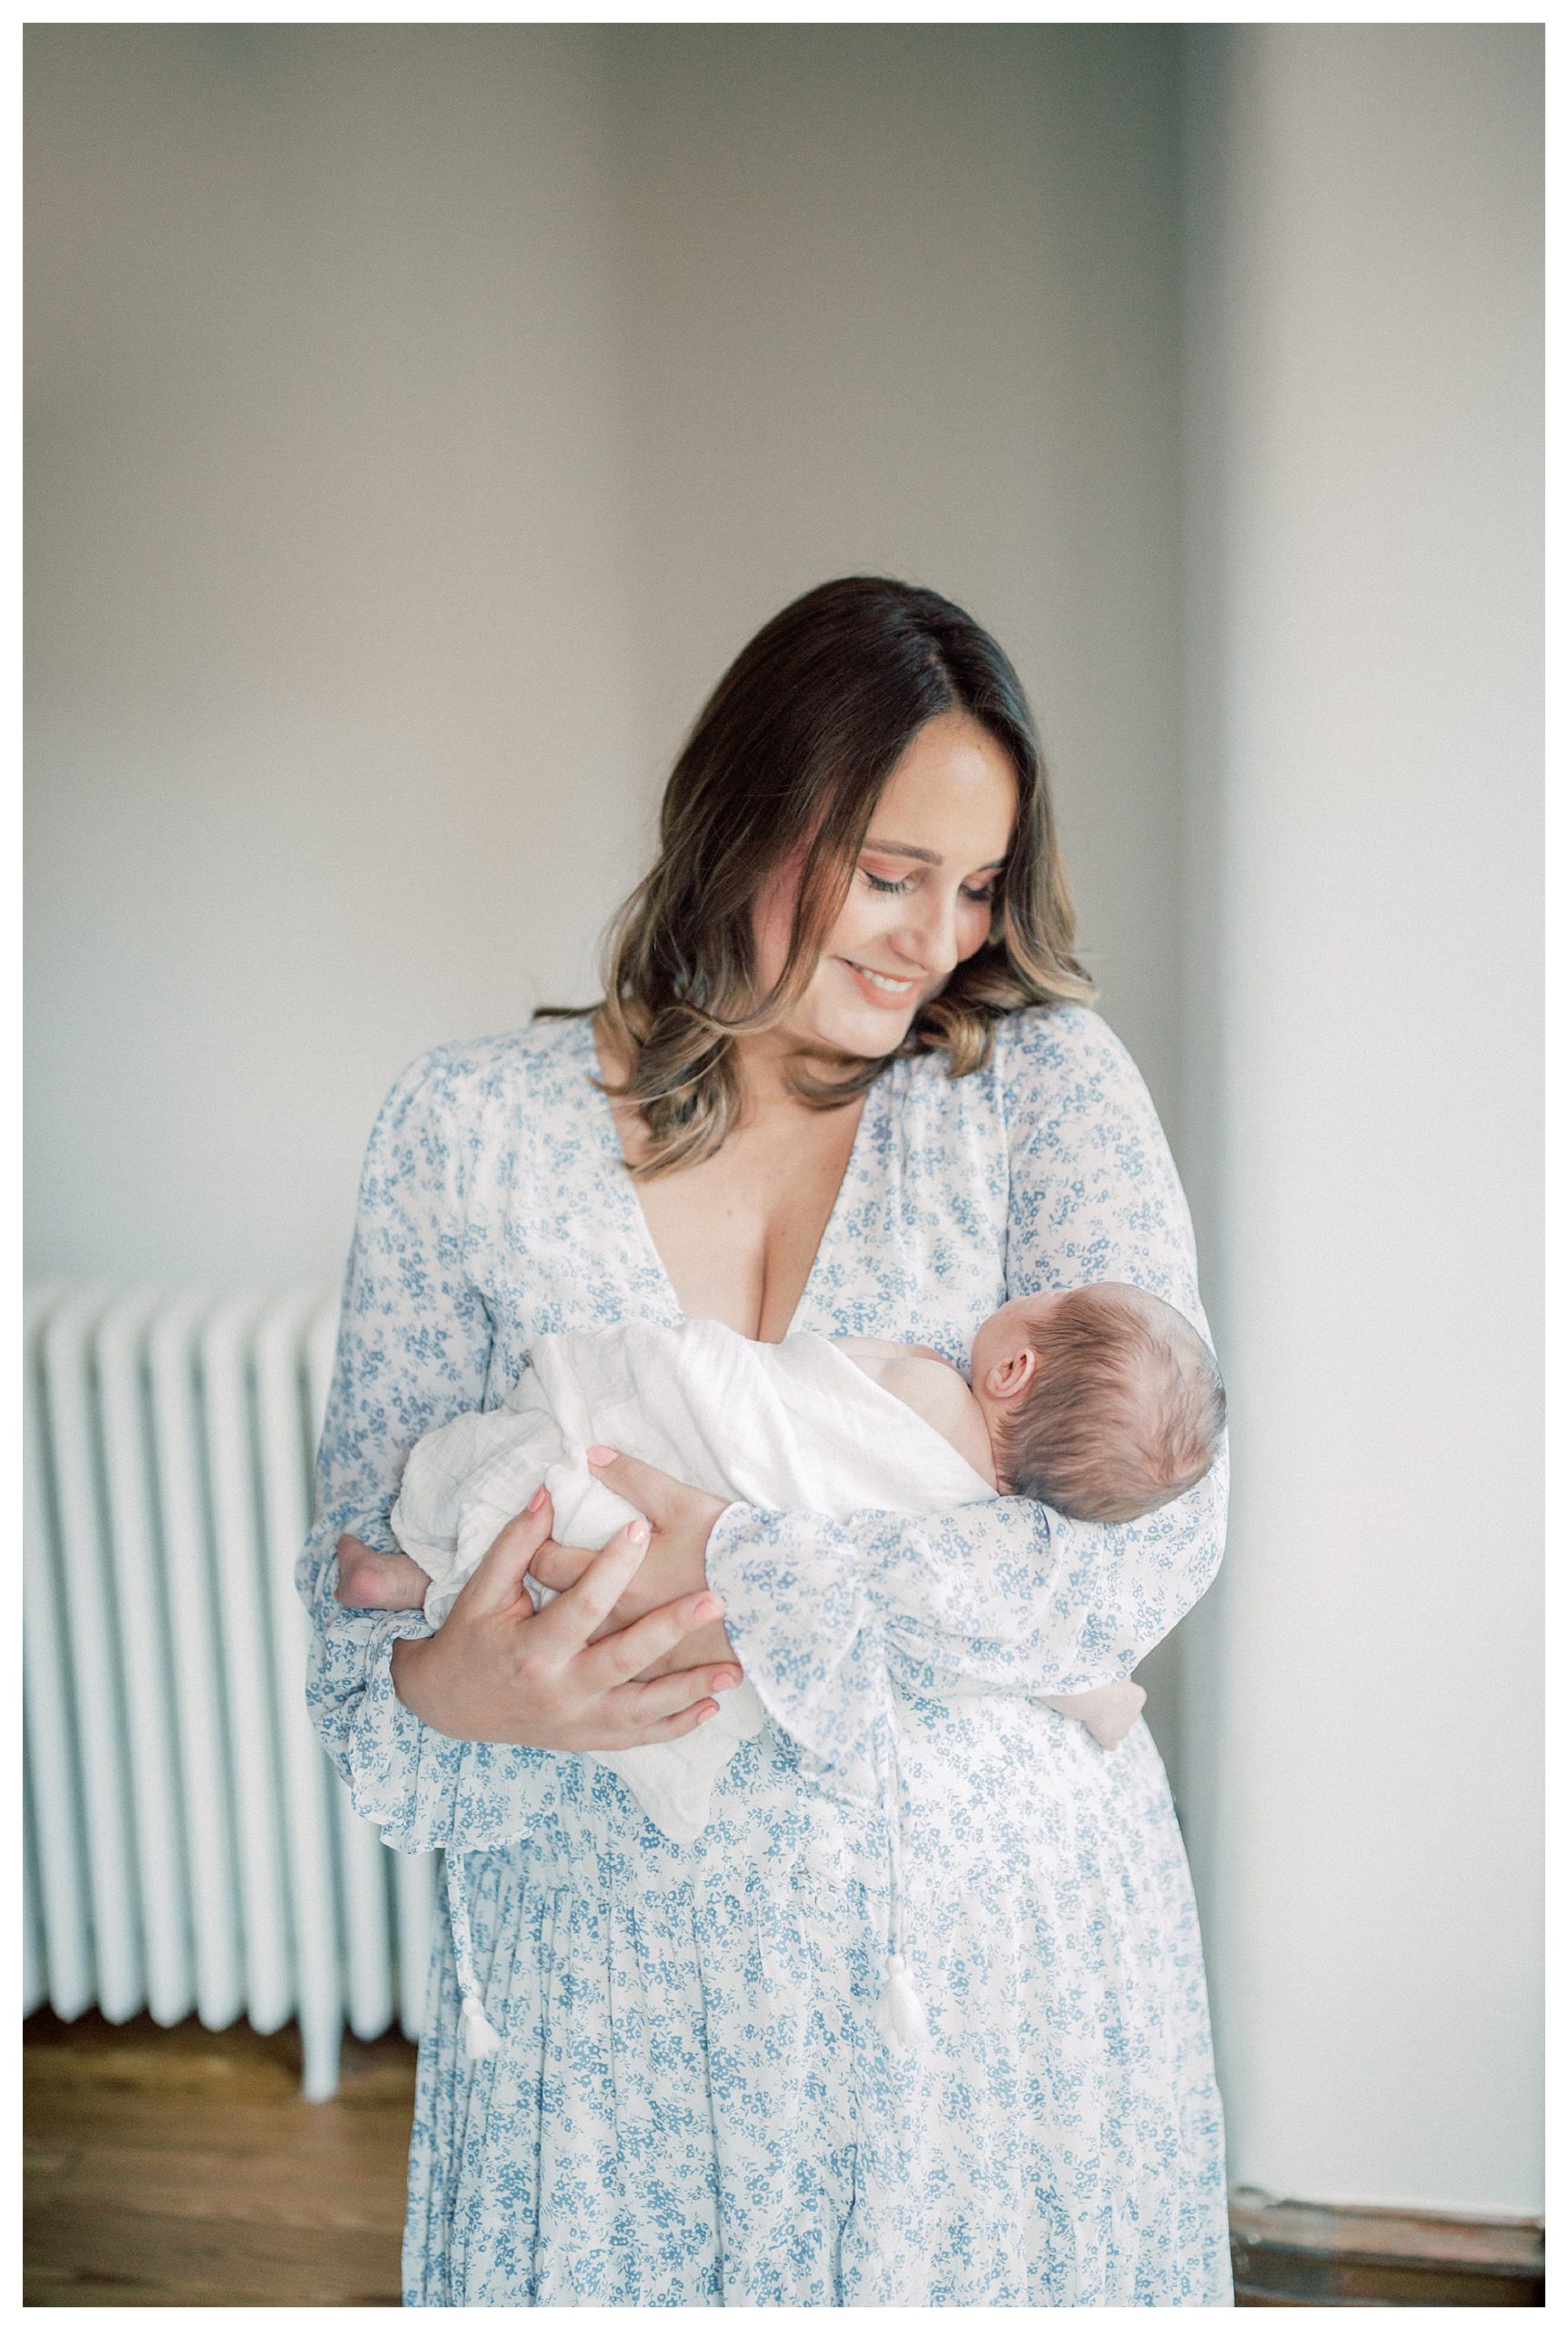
x,y
926,856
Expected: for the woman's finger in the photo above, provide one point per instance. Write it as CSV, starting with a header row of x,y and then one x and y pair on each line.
x,y
645,1486
571,1618
497,1582
668,1695
630,1649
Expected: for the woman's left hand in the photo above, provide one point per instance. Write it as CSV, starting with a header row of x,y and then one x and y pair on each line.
x,y
681,1519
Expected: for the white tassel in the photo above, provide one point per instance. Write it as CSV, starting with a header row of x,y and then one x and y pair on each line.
x,y
480,2038
899,2013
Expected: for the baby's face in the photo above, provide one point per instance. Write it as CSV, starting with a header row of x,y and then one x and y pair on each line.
x,y
1002,1344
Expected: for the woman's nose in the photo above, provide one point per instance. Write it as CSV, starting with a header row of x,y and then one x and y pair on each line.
x,y
932,933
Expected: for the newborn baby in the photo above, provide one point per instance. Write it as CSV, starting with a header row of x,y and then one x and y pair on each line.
x,y
1100,1402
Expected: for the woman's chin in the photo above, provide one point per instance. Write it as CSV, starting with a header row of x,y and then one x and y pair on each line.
x,y
868,1035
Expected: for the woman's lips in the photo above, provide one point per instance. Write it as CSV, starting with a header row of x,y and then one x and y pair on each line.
x,y
885,989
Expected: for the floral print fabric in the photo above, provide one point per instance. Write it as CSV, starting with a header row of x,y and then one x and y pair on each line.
x,y
693,2103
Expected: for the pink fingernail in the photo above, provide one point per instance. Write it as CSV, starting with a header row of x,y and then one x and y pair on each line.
x,y
710,1607
603,1455
637,1532
537,1499
707,1714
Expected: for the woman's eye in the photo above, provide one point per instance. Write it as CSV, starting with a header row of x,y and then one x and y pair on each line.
x,y
982,897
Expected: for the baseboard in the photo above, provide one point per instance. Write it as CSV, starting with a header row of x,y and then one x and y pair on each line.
x,y
1290,2252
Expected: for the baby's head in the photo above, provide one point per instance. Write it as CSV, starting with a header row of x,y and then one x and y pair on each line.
x,y
1101,1402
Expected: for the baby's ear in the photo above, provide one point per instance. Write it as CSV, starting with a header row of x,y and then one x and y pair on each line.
x,y
1010,1378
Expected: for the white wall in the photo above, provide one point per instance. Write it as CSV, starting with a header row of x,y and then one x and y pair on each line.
x,y
420,419
1363,1699
330,708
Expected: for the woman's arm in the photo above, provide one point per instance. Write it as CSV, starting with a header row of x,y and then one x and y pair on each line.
x,y
1004,1596
413,1349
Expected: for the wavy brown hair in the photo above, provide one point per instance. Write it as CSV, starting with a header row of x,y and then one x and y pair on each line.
x,y
794,745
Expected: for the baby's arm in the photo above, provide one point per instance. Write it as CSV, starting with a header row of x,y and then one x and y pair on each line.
x,y
934,1388
372,1580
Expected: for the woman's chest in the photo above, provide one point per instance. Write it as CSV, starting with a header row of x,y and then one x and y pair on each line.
x,y
738,1235
906,1240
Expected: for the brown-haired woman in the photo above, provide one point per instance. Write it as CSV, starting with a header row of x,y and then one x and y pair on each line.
x,y
843,1079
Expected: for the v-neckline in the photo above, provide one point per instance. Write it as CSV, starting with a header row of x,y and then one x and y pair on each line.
x,y
619,1174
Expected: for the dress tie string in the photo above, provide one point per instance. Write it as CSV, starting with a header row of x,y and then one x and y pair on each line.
x,y
480,2038
900,2010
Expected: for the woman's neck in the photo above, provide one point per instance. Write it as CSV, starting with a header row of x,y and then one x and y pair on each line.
x,y
764,1062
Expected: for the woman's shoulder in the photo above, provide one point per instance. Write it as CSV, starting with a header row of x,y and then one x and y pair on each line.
x,y
458,1079
1062,1047
1067,1083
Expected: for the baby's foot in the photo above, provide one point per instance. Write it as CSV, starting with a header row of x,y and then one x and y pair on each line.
x,y
1108,1714
371,1581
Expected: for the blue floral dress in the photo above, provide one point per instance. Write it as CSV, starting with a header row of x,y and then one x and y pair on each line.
x,y
693,2103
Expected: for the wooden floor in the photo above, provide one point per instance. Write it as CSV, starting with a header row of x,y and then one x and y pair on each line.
x,y
182,2168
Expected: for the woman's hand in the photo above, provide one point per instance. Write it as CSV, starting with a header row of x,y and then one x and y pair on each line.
x,y
499,1670
682,1519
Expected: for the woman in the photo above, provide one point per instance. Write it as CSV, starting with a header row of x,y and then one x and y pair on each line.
x,y
843,1079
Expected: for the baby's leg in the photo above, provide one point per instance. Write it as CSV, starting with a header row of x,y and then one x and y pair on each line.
x,y
372,1580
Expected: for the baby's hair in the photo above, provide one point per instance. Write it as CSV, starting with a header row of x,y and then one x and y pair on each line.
x,y
1126,1411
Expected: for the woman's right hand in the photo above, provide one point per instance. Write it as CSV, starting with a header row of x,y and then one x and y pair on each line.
x,y
499,1670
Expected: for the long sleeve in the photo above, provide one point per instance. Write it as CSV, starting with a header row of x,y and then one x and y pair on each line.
x,y
413,1351
1005,1595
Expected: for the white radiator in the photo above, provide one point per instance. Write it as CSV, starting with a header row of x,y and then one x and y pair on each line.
x,y
189,1847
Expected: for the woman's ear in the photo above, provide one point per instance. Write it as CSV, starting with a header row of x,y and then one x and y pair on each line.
x,y
1010,1378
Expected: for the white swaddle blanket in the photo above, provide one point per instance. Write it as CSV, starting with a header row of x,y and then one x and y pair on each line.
x,y
790,1425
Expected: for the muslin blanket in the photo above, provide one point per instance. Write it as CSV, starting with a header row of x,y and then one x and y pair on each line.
x,y
788,1425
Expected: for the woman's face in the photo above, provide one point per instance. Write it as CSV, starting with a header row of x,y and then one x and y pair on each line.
x,y
920,899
